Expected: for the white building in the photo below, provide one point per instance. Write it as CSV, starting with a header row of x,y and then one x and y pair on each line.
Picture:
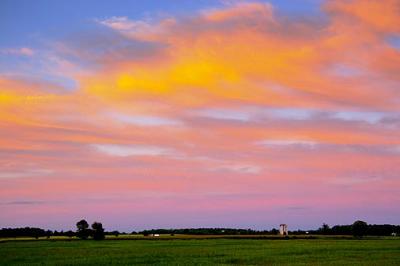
x,y
283,230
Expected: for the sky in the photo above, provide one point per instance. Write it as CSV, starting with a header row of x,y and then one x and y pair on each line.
x,y
181,114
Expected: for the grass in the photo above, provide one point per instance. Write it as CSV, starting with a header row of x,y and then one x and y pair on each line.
x,y
329,251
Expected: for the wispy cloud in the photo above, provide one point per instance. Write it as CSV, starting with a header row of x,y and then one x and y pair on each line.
x,y
132,150
25,173
288,142
23,51
121,23
23,202
136,29
225,114
261,113
146,120
369,117
238,168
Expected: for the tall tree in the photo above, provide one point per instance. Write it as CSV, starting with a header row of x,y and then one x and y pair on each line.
x,y
83,231
359,228
98,231
324,229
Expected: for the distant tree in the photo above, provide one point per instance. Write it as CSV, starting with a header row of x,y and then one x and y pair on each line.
x,y
69,233
98,231
48,233
115,233
359,228
82,224
342,230
83,232
324,229
274,231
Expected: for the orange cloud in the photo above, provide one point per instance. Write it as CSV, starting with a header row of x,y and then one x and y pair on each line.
x,y
382,16
237,53
241,11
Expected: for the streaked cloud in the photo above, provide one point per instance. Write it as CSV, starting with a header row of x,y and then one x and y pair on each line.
x,y
262,113
289,142
136,29
25,173
23,202
120,23
239,168
224,114
132,150
291,113
146,120
23,51
369,117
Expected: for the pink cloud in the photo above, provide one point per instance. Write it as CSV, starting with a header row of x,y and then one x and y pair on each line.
x,y
23,51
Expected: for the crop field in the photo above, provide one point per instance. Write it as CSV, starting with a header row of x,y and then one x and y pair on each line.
x,y
202,251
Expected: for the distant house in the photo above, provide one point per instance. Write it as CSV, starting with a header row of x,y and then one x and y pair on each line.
x,y
156,235
394,234
283,230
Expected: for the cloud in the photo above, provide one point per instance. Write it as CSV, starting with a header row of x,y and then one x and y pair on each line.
x,y
224,114
369,117
23,51
136,29
230,53
240,11
256,113
384,18
275,142
238,168
96,50
132,150
121,23
23,202
291,113
259,114
150,121
25,173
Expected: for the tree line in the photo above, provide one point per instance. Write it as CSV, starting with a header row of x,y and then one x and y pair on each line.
x,y
97,232
366,229
83,231
358,228
208,231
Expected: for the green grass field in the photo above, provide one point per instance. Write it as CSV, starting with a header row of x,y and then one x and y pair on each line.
x,y
202,252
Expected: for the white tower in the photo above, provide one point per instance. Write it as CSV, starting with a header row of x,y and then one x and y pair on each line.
x,y
283,230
